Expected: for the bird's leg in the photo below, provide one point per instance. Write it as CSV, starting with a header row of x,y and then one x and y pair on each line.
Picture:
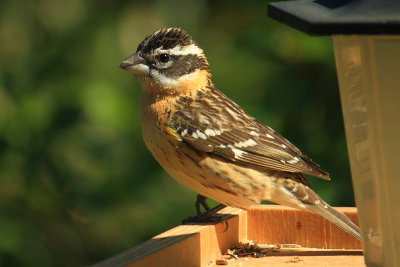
x,y
206,216
201,200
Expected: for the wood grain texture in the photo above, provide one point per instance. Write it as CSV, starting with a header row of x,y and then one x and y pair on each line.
x,y
201,244
277,224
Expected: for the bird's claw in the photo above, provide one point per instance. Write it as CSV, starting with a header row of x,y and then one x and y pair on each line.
x,y
209,216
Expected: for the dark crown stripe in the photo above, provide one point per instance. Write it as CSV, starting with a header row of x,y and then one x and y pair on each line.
x,y
166,38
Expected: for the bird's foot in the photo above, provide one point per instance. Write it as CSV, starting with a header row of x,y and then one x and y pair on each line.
x,y
209,216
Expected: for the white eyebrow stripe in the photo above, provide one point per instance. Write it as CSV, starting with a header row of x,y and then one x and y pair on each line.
x,y
181,51
191,49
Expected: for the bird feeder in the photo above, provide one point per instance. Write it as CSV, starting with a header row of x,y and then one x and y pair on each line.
x,y
366,41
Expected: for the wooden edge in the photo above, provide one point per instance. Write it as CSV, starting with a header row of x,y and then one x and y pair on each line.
x,y
287,257
200,244
185,245
275,224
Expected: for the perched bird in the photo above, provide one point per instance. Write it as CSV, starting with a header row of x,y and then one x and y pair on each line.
x,y
209,143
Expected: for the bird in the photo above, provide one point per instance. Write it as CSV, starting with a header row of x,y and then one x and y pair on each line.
x,y
208,143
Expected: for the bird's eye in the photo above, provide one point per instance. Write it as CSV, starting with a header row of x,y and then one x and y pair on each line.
x,y
164,58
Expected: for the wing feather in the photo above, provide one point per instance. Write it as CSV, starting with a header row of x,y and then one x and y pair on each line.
x,y
243,139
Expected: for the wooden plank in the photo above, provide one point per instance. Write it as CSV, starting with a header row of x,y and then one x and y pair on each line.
x,y
304,257
202,244
185,245
275,224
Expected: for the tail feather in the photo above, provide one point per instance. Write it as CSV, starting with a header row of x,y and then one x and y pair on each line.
x,y
336,217
305,198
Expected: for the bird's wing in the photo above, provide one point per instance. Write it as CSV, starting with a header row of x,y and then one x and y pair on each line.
x,y
242,139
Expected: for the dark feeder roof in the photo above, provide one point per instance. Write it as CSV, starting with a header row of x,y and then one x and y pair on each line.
x,y
327,17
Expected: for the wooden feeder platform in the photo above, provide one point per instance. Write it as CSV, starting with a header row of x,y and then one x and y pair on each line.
x,y
291,237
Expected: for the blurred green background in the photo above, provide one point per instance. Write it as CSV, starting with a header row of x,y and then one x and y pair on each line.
x,y
77,184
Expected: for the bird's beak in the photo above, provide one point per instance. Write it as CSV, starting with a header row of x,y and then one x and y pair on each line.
x,y
135,64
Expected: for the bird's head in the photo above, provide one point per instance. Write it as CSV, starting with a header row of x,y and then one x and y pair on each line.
x,y
168,60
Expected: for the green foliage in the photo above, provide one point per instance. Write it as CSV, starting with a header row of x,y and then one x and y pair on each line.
x,y
77,184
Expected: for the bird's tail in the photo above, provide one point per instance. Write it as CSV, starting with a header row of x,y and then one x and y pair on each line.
x,y
336,217
305,198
